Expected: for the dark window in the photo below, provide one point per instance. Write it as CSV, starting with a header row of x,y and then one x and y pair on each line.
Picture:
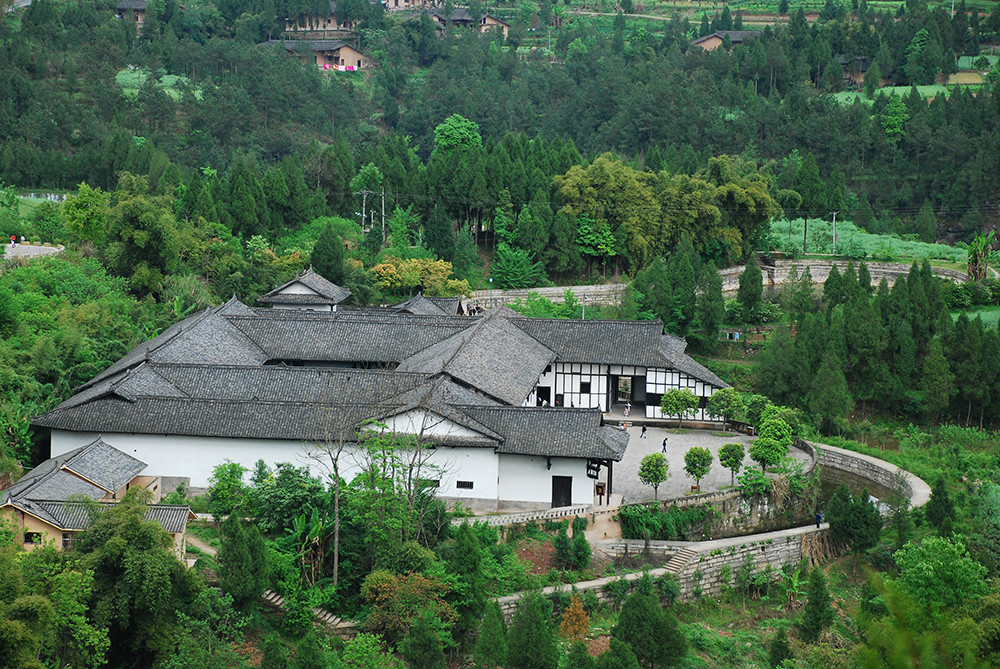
x,y
464,485
585,387
32,537
67,541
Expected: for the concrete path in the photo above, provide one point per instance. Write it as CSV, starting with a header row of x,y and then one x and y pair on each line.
x,y
716,544
29,251
194,540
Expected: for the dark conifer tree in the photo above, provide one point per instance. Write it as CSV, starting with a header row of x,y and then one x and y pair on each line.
x,y
440,233
650,630
242,562
829,398
778,649
818,613
421,649
491,645
940,510
531,643
750,291
328,256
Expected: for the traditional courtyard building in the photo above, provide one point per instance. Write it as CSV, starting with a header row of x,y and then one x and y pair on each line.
x,y
508,411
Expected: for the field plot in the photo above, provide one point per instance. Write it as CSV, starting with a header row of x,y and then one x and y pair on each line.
x,y
853,241
131,81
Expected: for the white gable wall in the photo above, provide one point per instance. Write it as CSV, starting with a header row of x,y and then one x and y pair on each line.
x,y
525,483
297,288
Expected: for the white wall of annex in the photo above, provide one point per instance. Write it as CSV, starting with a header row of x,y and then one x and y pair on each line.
x,y
196,457
525,478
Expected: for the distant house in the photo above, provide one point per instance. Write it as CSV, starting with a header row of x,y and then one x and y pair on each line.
x,y
307,291
132,10
855,70
47,504
326,53
460,17
716,39
331,22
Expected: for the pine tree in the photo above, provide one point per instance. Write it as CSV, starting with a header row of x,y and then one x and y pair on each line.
x,y
619,655
531,643
650,630
710,310
818,613
575,622
440,235
578,656
829,398
937,384
940,510
242,562
491,646
780,370
926,223
328,256
778,649
274,654
309,653
421,649
751,290
466,563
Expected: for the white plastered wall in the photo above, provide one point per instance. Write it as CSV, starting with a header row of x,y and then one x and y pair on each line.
x,y
659,381
524,480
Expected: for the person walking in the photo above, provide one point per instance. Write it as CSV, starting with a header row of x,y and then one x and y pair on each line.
x,y
642,435
664,445
819,517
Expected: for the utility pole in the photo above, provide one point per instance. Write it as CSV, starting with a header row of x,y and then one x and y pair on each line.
x,y
383,215
834,231
805,229
364,201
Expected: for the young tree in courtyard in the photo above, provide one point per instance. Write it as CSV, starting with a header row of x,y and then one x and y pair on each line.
x,y
697,463
772,444
728,404
654,470
731,457
678,402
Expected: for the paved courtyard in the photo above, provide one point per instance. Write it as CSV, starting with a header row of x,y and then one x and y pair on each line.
x,y
626,481
28,251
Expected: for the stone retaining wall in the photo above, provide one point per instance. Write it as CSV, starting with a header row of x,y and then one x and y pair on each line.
x,y
704,569
872,469
620,548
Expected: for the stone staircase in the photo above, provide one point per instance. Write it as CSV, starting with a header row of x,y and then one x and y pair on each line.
x,y
345,629
680,560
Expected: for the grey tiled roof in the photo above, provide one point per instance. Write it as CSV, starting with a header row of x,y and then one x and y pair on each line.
x,y
75,516
672,349
92,470
324,292
491,355
418,304
570,433
600,342
105,465
347,338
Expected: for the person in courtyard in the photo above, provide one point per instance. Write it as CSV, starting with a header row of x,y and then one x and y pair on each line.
x,y
664,445
643,434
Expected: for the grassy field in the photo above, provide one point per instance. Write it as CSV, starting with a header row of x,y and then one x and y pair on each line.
x,y
131,82
990,315
788,235
927,92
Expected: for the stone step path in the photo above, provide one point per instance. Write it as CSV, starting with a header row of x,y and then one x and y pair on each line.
x,y
345,629
680,560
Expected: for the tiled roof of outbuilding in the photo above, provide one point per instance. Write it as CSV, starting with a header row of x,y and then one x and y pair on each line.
x,y
600,342
323,291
